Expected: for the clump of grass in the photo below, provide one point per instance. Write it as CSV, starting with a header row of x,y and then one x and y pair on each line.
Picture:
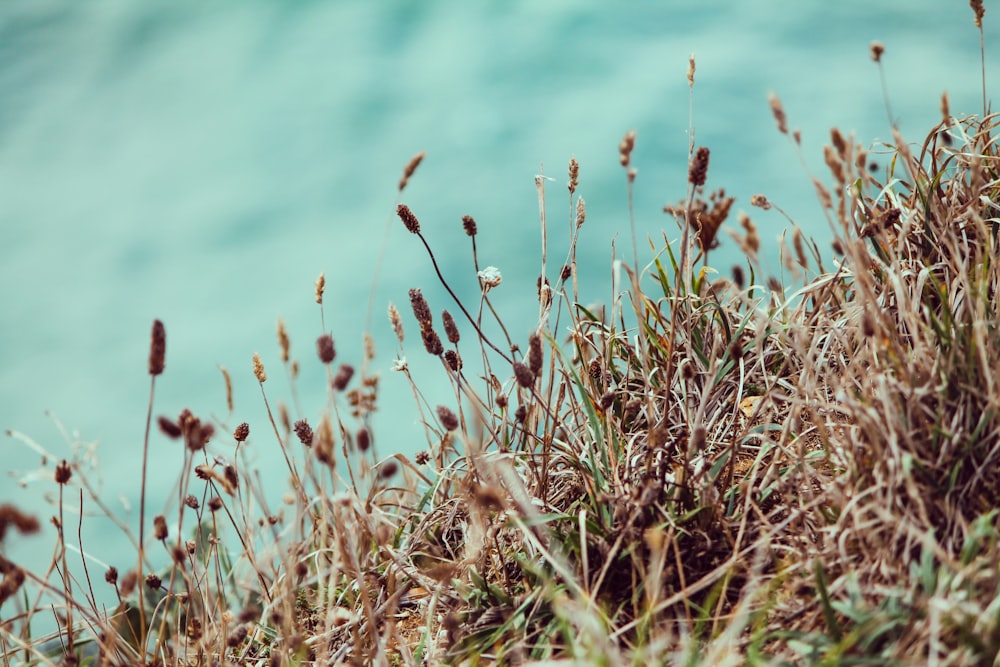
x,y
789,470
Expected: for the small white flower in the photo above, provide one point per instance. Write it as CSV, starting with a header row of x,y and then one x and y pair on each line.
x,y
489,278
399,364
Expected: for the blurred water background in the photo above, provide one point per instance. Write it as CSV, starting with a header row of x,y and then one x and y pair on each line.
x,y
202,163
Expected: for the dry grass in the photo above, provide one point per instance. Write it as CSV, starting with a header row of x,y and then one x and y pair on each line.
x,y
766,471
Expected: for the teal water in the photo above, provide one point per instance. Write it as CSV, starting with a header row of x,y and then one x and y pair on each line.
x,y
203,163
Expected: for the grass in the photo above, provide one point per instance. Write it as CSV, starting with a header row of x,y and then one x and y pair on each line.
x,y
799,469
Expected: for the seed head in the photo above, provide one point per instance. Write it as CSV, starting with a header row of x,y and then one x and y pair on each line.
x,y
625,149
691,71
63,472
258,369
431,342
447,418
169,428
324,346
283,341
535,353
698,171
343,377
388,469
111,576
409,220
411,167
979,10
396,321
421,310
153,582
574,175
489,278
160,527
760,201
242,432
453,360
779,113
581,212
877,49
469,225
11,516
320,288
523,375
304,432
364,439
450,328
157,348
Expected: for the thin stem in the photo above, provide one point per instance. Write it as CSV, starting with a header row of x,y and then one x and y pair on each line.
x,y
469,317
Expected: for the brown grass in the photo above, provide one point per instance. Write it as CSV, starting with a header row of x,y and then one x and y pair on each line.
x,y
758,470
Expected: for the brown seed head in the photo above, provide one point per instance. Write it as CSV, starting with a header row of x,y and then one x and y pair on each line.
x,y
191,502
738,277
760,201
520,414
979,11
160,527
320,288
242,432
945,109
422,457
111,576
157,348
581,212
153,582
698,171
325,442
343,377
877,49
215,504
535,357
258,369
838,142
409,220
411,167
447,418
388,469
10,516
63,472
691,71
421,310
169,428
625,149
325,349
283,341
523,375
229,388
237,637
469,224
431,342
450,328
453,359
364,439
574,175
779,113
304,432
397,322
